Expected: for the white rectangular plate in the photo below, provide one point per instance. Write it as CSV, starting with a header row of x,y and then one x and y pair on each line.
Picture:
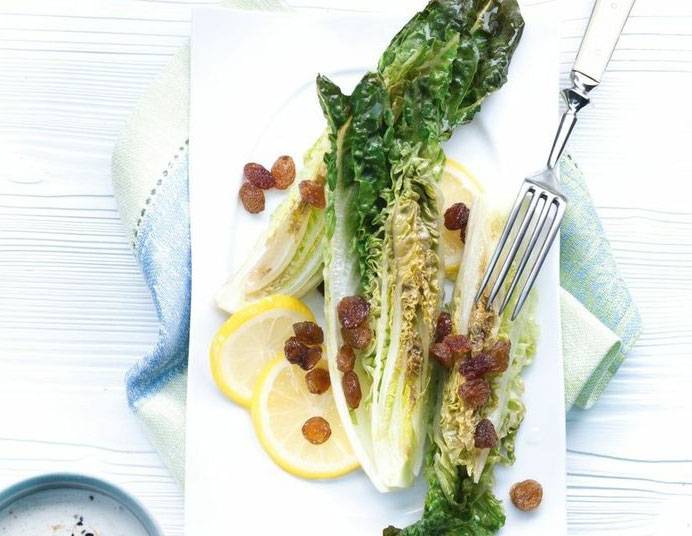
x,y
253,99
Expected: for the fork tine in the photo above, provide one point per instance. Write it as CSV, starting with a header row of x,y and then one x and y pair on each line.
x,y
505,233
554,227
543,216
516,244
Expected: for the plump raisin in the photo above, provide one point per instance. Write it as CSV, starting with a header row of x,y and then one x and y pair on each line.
x,y
316,430
352,311
459,345
476,366
351,386
441,353
258,175
526,495
311,358
358,337
474,393
284,172
485,436
317,381
345,358
456,216
308,332
252,198
295,350
443,326
499,352
312,193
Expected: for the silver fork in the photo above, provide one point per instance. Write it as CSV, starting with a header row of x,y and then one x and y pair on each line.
x,y
540,201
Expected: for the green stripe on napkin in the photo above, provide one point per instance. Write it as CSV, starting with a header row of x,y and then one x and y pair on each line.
x,y
600,322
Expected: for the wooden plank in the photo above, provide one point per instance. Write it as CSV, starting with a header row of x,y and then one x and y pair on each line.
x,y
75,313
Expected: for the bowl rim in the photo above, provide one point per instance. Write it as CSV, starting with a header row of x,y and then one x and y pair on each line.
x,y
67,480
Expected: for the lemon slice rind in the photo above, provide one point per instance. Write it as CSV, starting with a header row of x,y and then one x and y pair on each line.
x,y
245,343
297,456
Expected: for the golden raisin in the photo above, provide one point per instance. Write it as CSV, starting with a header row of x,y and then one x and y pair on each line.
x,y
317,381
358,337
311,358
316,430
441,353
312,193
456,217
351,386
485,436
284,172
499,352
443,327
295,350
474,393
308,332
258,175
345,358
459,345
476,366
526,495
252,198
352,311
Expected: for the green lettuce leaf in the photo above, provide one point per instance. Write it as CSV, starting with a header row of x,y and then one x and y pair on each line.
x,y
470,510
496,31
336,108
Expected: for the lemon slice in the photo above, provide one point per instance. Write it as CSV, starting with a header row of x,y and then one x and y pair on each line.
x,y
251,338
458,185
280,406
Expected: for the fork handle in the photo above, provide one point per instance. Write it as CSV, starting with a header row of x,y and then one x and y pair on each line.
x,y
605,26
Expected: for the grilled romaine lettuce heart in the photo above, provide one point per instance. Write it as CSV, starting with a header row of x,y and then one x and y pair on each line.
x,y
384,214
460,476
454,431
288,256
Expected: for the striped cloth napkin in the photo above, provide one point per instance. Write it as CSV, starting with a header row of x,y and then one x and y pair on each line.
x,y
600,322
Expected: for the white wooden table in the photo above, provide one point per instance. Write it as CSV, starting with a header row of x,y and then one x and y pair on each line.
x,y
75,314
